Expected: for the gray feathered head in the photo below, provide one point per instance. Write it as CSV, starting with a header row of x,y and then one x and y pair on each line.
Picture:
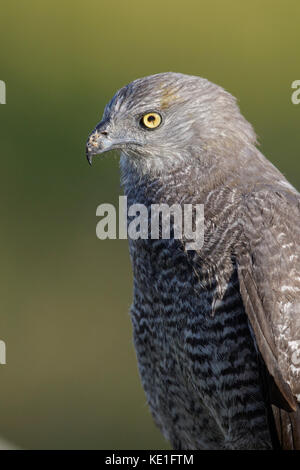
x,y
162,119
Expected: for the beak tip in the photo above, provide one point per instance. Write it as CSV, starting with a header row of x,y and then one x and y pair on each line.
x,y
89,156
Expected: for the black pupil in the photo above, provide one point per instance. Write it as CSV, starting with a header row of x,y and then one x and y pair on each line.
x,y
151,118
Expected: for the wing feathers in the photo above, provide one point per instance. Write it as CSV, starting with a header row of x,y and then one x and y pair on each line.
x,y
269,277
264,341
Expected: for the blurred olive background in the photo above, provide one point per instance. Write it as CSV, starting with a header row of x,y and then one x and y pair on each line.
x,y
71,378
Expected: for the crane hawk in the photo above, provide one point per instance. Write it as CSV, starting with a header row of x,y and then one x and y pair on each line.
x,y
216,330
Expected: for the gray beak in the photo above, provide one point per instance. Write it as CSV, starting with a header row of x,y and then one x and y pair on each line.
x,y
98,142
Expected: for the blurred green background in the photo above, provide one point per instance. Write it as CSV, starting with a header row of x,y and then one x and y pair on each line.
x,y
71,378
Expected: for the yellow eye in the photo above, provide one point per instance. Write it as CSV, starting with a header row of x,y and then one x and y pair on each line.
x,y
151,120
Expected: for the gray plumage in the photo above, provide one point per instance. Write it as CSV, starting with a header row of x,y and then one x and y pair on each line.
x,y
216,331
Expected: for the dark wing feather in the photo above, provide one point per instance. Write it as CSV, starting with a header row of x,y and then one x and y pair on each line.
x,y
269,276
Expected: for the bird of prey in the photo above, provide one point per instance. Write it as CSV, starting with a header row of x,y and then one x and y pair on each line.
x,y
216,330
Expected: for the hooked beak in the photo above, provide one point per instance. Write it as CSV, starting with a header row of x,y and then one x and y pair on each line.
x,y
100,141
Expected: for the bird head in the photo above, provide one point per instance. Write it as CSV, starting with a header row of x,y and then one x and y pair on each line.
x,y
162,119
